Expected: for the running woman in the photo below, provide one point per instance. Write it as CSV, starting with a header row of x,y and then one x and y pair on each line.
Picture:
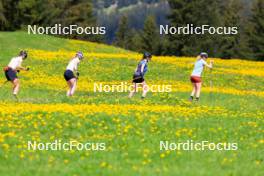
x,y
196,75
138,77
71,71
14,66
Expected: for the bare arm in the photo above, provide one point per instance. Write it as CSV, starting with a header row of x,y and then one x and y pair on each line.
x,y
209,65
22,68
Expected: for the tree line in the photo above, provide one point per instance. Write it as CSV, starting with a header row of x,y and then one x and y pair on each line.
x,y
135,12
17,14
120,3
247,44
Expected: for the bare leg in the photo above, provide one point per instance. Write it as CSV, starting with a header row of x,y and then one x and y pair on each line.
x,y
69,90
74,85
198,85
194,90
145,89
15,86
133,91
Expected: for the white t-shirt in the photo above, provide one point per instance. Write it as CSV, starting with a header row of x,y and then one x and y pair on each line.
x,y
73,64
15,62
198,67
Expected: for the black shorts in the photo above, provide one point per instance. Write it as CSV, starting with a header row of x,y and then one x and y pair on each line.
x,y
138,79
10,74
68,75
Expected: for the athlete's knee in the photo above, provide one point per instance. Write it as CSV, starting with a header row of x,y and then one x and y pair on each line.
x,y
16,82
145,87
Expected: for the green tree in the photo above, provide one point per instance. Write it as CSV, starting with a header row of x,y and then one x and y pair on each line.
x,y
231,45
150,35
2,16
122,34
9,15
256,33
30,12
135,40
198,13
163,45
17,13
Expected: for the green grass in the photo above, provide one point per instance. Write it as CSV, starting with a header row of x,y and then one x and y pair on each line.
x,y
132,137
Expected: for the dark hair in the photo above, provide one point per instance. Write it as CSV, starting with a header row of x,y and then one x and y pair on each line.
x,y
147,55
23,54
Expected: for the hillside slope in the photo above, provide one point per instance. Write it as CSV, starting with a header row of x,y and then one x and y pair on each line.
x,y
230,111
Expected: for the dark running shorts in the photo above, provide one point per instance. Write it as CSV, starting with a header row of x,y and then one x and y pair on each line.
x,y
10,74
68,75
196,79
138,79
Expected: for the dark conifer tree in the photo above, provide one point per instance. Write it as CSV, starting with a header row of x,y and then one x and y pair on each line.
x,y
122,34
150,35
256,33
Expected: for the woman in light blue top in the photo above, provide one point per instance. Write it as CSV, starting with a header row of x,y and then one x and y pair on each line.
x,y
196,75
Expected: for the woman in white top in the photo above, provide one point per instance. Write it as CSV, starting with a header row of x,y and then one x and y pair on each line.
x,y
14,66
196,75
71,71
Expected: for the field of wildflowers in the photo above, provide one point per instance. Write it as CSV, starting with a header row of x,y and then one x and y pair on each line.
x,y
231,110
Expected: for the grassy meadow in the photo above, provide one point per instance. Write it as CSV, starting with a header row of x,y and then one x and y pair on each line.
x,y
230,110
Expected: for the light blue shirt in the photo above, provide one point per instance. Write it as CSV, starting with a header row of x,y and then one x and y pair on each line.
x,y
198,68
